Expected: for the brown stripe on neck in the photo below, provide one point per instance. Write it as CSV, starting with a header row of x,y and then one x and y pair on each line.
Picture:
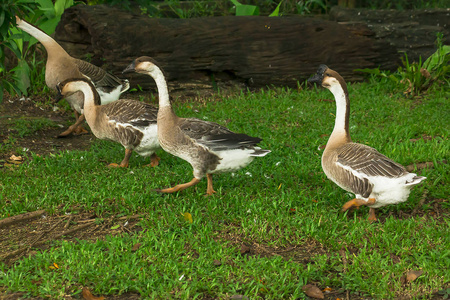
x,y
347,104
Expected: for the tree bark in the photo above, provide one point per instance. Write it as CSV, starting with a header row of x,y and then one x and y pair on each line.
x,y
410,31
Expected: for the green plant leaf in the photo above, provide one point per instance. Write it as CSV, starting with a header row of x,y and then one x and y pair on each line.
x,y
61,5
22,75
2,17
245,10
49,25
276,12
437,59
46,6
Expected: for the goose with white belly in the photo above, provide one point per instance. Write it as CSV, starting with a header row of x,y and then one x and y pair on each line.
x,y
61,66
209,147
129,122
375,179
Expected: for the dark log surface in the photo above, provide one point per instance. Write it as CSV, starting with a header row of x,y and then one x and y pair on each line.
x,y
410,31
196,52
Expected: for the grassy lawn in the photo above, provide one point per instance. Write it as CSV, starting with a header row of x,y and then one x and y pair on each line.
x,y
272,227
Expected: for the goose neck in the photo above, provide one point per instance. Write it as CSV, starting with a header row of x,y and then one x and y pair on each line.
x,y
161,84
42,37
341,128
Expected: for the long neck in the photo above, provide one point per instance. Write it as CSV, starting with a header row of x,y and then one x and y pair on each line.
x,y
91,98
340,132
163,93
42,37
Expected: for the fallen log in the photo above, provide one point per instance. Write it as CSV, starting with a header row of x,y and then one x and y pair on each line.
x,y
255,50
410,31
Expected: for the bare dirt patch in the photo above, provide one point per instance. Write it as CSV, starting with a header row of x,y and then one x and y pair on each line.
x,y
42,142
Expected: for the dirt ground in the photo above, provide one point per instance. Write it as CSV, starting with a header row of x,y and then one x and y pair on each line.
x,y
26,234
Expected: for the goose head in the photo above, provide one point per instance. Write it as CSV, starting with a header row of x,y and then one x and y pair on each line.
x,y
329,79
144,65
71,86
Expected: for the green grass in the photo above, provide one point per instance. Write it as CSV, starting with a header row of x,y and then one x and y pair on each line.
x,y
26,126
280,201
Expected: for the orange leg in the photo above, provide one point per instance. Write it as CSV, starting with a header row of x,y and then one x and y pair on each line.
x,y
75,128
180,187
126,159
209,189
154,160
372,216
359,202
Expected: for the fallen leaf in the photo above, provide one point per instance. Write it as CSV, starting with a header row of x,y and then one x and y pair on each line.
x,y
16,158
425,73
188,217
54,266
245,249
313,291
327,290
413,275
217,262
87,295
136,247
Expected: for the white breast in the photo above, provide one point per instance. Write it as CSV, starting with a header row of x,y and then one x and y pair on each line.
x,y
149,142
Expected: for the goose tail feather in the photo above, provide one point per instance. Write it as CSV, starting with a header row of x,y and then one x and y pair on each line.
x,y
415,180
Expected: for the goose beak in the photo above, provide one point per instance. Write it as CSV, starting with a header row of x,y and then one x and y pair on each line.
x,y
316,79
59,95
130,68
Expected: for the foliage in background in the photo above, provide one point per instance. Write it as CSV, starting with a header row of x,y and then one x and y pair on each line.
x,y
9,9
417,77
29,70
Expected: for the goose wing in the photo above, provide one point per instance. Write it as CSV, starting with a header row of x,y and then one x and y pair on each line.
x,y
365,161
197,129
215,136
131,112
97,75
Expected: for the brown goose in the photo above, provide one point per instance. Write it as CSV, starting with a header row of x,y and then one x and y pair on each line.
x,y
61,66
129,122
375,179
209,147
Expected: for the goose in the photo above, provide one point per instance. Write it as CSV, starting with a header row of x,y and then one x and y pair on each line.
x,y
208,147
375,179
61,66
129,122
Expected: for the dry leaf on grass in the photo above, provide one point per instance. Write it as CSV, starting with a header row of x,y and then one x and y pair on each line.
x,y
16,158
188,217
313,291
87,295
244,249
54,266
136,247
413,275
410,276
